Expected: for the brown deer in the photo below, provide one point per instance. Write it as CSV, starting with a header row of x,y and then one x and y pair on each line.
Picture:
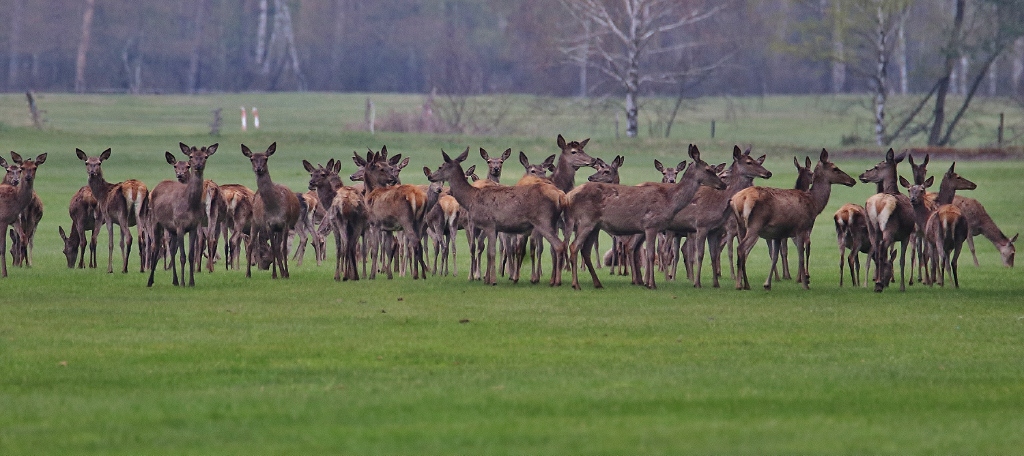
x,y
120,204
393,207
493,209
24,231
275,209
237,220
890,217
14,199
345,213
82,210
176,209
780,214
571,159
981,222
442,224
707,216
626,210
306,227
851,221
942,227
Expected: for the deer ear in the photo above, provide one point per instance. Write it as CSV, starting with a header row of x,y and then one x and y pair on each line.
x,y
170,158
681,166
426,172
925,162
183,147
523,160
330,164
951,172
560,141
483,154
929,181
3,163
445,156
394,161
1014,238
550,161
356,158
246,151
619,159
796,162
80,154
105,154
584,143
309,167
463,156
910,159
899,158
807,162
383,152
210,150
63,235
736,152
40,159
658,166
404,163
471,170
904,182
272,148
694,153
337,167
16,158
824,156
506,154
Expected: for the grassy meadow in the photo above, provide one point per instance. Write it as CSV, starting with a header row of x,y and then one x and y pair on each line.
x,y
96,363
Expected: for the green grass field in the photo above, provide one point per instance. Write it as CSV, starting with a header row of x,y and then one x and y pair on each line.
x,y
97,363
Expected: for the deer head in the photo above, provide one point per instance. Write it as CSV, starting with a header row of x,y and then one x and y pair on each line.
x,y
573,152
917,192
830,172
884,169
451,168
607,172
918,171
28,167
259,160
197,156
181,167
494,164
745,165
804,174
93,165
13,176
700,171
70,246
537,170
668,173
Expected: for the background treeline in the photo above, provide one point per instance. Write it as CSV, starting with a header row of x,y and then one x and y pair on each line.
x,y
471,47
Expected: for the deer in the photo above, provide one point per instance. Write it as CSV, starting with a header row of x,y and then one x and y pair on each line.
x,y
345,213
393,207
23,233
121,204
804,177
517,209
626,210
14,199
82,210
275,209
851,222
941,226
176,209
780,214
981,222
214,208
890,217
707,216
306,227
237,220
442,224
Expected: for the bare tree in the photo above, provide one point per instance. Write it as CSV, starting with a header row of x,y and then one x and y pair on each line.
x,y
626,39
83,45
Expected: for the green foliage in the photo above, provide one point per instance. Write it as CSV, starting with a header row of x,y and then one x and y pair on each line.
x,y
97,363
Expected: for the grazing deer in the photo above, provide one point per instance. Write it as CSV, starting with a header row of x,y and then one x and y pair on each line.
x,y
275,209
851,221
82,210
981,222
176,209
237,220
392,207
493,209
890,217
707,216
119,203
780,214
345,213
942,227
627,210
14,199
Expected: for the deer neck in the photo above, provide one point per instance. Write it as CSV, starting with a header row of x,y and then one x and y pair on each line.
x,y
327,190
946,193
683,192
194,190
99,186
820,191
564,176
268,192
888,185
461,189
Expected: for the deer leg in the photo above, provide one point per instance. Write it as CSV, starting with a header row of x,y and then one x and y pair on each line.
x,y
748,238
970,245
715,249
126,244
699,238
491,276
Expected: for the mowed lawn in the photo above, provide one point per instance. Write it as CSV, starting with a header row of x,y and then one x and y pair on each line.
x,y
92,362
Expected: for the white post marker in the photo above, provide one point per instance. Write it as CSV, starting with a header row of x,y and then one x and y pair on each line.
x,y
244,126
255,118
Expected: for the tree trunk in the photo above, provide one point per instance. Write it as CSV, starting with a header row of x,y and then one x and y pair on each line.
x,y
83,45
261,35
901,53
952,53
14,43
881,87
838,49
338,38
192,84
1018,67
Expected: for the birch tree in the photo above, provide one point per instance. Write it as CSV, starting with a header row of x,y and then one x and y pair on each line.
x,y
626,39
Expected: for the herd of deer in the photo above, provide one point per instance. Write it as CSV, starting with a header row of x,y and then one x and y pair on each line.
x,y
388,223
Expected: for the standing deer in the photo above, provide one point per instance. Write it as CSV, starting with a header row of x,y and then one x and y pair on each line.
x,y
493,209
851,221
82,210
24,231
345,213
14,199
890,217
981,222
275,209
707,216
237,220
942,227
626,210
119,203
779,214
393,207
176,209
